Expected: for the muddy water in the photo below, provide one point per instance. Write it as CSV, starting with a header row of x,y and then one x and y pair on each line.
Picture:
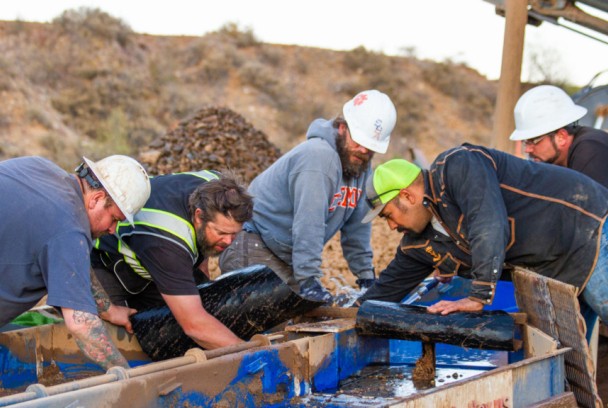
x,y
52,375
381,384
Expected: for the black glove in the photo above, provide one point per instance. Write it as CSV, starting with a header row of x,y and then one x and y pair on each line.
x,y
365,283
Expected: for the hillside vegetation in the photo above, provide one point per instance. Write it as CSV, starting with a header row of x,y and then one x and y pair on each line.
x,y
86,84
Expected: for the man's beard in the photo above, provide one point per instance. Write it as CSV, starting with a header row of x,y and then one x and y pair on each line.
x,y
550,160
205,247
349,169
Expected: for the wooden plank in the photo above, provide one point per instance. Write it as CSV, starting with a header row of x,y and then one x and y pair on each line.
x,y
552,306
537,342
491,390
328,326
335,312
565,400
520,318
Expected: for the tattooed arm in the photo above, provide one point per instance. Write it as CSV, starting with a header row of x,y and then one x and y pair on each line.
x,y
93,338
115,314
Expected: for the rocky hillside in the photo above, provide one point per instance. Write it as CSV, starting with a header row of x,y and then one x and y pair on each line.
x,y
86,84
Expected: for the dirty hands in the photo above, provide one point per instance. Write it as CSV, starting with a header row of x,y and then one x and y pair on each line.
x,y
462,305
119,315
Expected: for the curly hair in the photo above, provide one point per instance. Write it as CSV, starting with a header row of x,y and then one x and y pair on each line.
x,y
224,196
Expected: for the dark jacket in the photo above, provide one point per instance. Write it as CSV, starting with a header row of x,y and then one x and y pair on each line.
x,y
588,153
497,209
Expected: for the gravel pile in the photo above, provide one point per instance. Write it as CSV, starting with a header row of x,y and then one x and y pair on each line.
x,y
212,139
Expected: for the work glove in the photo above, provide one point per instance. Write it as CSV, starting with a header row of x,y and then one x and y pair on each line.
x,y
365,283
312,289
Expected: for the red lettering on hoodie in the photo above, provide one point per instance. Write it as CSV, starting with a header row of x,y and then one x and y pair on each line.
x,y
348,197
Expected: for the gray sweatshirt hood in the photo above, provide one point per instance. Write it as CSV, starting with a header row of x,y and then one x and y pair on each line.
x,y
323,129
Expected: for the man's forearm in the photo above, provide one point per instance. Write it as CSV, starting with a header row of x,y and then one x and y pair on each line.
x,y
102,300
94,340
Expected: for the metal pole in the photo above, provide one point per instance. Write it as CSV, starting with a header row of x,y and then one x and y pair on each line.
x,y
516,17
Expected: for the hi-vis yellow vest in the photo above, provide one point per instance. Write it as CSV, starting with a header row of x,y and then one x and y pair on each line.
x,y
160,224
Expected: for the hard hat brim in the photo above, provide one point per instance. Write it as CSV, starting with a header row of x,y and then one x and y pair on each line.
x,y
577,113
108,189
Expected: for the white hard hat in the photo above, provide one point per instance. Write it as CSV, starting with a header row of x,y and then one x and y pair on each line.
x,y
125,180
544,109
371,117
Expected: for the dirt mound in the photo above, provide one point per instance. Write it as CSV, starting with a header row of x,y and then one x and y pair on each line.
x,y
214,138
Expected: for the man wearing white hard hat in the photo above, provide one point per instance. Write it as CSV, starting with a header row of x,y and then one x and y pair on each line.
x,y
49,221
546,124
311,193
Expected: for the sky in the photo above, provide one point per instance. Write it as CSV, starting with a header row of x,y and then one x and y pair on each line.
x,y
467,31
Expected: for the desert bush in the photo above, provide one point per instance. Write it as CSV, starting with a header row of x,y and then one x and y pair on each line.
x,y
296,115
365,62
242,37
92,22
445,77
40,117
17,27
113,135
349,86
270,55
175,103
412,110
64,155
264,79
456,81
162,71
213,58
85,103
46,67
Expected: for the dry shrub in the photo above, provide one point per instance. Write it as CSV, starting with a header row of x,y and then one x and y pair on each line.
x,y
266,80
113,135
87,22
459,82
210,59
295,116
242,37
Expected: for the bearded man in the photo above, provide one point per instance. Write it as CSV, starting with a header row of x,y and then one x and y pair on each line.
x,y
161,257
311,193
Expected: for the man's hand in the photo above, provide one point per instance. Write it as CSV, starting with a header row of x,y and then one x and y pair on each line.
x,y
119,315
463,305
365,283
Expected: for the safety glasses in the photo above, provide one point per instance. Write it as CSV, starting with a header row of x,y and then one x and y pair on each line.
x,y
537,140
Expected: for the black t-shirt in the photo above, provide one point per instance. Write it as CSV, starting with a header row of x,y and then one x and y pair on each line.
x,y
588,154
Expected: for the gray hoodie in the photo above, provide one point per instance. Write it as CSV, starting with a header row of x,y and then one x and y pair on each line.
x,y
302,200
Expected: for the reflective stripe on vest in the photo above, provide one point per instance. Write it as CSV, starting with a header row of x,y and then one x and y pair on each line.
x,y
182,230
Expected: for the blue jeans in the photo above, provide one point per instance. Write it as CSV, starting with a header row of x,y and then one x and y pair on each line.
x,y
595,294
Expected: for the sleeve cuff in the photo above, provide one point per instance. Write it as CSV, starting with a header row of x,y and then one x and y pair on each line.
x,y
483,292
366,275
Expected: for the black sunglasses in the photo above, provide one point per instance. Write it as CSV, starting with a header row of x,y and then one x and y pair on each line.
x,y
84,172
373,202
